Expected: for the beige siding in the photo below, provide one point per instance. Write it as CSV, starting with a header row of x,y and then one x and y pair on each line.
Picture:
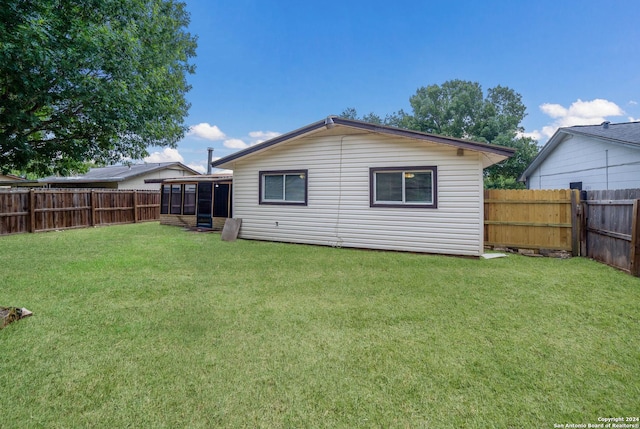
x,y
338,212
166,173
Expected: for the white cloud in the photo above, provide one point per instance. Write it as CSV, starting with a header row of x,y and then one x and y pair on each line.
x,y
632,119
167,155
198,167
580,112
632,102
235,144
536,135
595,108
553,110
261,136
206,131
255,137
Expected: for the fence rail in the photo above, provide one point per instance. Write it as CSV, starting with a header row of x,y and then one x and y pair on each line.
x,y
611,228
529,219
603,225
38,210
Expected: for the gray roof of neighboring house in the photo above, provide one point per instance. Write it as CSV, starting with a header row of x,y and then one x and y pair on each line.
x,y
117,173
625,133
216,177
328,124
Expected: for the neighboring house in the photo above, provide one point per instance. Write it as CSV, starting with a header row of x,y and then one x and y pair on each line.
x,y
589,157
7,179
10,178
134,176
341,182
196,201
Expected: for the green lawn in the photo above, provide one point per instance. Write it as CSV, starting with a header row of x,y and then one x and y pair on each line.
x,y
152,326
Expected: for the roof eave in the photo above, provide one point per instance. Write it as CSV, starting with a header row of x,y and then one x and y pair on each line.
x,y
501,151
161,166
80,180
554,141
449,141
558,137
226,161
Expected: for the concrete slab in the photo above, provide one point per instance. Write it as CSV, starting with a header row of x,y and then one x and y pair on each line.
x,y
231,229
493,255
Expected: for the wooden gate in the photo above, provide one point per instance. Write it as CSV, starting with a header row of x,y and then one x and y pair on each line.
x,y
611,233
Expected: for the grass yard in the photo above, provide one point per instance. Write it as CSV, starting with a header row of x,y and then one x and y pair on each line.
x,y
152,326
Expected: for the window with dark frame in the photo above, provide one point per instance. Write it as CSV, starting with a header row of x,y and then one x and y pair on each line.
x,y
176,199
189,200
283,187
403,187
164,199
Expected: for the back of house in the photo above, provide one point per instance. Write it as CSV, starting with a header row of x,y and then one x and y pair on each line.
x,y
341,182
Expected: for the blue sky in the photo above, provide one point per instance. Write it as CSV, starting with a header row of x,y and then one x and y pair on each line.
x,y
269,67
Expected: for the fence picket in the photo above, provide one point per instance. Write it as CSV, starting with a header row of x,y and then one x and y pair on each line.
x,y
37,210
529,219
605,226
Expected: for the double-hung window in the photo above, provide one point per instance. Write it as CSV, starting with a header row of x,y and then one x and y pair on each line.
x,y
403,187
283,187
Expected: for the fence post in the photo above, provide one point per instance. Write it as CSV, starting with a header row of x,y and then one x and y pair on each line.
x,y
32,210
575,222
93,208
135,206
584,212
634,257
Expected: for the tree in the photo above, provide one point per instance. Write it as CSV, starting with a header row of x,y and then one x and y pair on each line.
x,y
452,109
351,113
396,119
90,80
460,109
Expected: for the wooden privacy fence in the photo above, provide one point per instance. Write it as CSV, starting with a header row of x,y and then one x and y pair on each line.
x,y
38,210
603,225
531,219
611,232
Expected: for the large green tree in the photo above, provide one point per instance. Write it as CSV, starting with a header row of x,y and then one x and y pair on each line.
x,y
460,109
90,80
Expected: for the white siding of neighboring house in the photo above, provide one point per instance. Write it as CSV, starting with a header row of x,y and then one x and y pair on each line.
x,y
338,212
138,181
585,159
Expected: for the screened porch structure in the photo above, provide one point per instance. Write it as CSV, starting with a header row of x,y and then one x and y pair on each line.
x,y
196,202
